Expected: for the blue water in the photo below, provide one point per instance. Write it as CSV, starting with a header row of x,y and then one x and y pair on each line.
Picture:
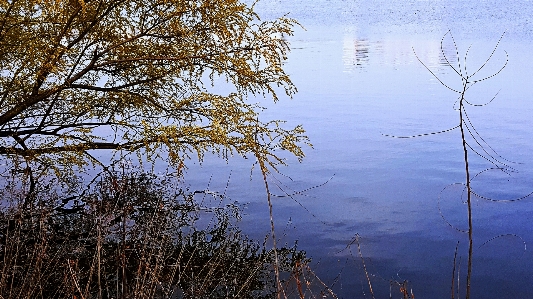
x,y
358,79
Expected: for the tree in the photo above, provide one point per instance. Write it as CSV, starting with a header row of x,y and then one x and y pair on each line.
x,y
139,76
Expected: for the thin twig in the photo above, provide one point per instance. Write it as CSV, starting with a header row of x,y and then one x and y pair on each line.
x,y
453,271
364,265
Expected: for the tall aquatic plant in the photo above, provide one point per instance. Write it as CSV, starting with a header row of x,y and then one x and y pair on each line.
x,y
467,81
471,141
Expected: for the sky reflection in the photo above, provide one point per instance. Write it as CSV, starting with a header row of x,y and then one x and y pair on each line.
x,y
358,78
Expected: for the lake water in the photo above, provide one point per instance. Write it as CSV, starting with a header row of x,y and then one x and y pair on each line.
x,y
358,79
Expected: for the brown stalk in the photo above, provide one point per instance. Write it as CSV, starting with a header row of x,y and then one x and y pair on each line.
x,y
364,265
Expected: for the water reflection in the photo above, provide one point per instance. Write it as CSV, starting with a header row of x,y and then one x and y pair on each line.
x,y
374,83
355,53
358,53
361,78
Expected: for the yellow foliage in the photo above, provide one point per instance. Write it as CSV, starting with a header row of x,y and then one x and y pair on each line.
x,y
72,69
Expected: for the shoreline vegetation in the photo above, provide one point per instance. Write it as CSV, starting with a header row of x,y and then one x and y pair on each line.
x,y
133,235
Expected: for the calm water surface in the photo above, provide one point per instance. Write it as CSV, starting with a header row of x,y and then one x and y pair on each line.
x,y
358,79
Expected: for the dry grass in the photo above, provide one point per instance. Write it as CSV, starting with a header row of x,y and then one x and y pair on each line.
x,y
132,235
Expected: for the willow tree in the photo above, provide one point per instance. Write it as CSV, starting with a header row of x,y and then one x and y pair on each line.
x,y
139,76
